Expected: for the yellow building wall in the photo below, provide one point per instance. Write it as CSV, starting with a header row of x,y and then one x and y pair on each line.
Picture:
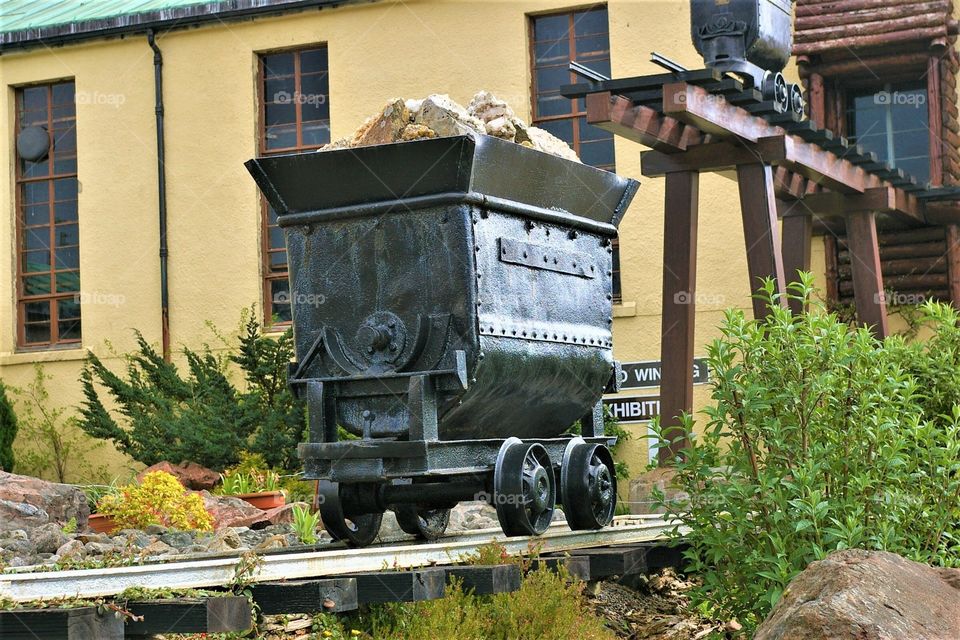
x,y
377,51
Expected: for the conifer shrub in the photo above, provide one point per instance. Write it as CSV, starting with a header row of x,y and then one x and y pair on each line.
x,y
819,438
158,499
200,415
8,430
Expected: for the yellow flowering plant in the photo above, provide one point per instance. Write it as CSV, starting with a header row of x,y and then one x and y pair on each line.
x,y
158,499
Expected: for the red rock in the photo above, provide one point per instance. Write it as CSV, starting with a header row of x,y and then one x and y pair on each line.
x,y
284,514
641,490
190,474
26,502
867,595
228,511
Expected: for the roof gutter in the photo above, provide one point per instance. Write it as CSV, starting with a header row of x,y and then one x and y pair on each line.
x,y
162,195
163,19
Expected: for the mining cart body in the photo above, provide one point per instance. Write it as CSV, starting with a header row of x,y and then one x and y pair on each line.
x,y
451,304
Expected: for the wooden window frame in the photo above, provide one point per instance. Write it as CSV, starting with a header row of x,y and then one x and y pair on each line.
x,y
269,274
53,297
574,116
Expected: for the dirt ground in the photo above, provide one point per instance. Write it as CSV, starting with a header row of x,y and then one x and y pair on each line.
x,y
651,608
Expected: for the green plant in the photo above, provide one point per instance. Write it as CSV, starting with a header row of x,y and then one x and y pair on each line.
x,y
158,499
305,524
250,475
69,527
202,416
51,444
96,492
8,430
818,438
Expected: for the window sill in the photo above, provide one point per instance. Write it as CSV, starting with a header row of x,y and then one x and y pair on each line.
x,y
44,355
625,310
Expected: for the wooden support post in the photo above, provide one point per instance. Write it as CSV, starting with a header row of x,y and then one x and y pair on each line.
x,y
83,623
614,561
484,580
797,238
953,262
225,614
576,567
759,209
867,276
327,595
679,301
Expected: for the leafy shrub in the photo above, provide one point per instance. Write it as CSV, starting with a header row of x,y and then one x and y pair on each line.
x,y
819,438
202,417
8,430
52,444
158,499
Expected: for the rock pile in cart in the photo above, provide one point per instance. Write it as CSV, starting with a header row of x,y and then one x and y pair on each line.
x,y
438,116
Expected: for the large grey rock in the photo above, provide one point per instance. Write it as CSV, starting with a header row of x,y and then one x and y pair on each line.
x,y
867,595
48,538
30,502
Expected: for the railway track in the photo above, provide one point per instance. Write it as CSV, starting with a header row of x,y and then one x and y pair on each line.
x,y
329,579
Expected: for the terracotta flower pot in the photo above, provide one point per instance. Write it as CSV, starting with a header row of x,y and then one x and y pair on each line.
x,y
102,523
266,500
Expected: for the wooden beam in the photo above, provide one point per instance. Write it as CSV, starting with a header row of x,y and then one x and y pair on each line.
x,y
867,274
401,586
953,262
641,124
614,561
84,623
323,595
885,199
716,156
759,210
575,567
681,208
797,239
225,614
487,579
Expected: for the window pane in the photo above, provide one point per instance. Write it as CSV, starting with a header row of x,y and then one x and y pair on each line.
x,y
69,330
65,211
33,261
68,309
316,133
589,132
282,112
36,285
65,140
34,98
552,52
593,21
63,93
68,258
64,164
281,137
34,169
563,129
37,333
36,192
278,64
38,238
37,311
278,260
276,238
280,300
65,189
551,27
36,214
279,90
593,45
314,90
313,61
552,78
68,281
597,153
553,105
67,235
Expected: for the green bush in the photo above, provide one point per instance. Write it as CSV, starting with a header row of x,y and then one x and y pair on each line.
x,y
202,416
819,438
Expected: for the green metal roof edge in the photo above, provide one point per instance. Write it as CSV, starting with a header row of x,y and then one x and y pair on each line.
x,y
175,15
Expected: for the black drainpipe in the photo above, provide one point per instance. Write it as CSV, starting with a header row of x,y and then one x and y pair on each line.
x,y
162,203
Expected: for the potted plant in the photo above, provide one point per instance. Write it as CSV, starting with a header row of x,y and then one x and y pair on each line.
x,y
260,488
100,522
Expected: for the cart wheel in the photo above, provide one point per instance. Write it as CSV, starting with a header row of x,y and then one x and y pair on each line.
x,y
588,486
428,524
524,488
357,531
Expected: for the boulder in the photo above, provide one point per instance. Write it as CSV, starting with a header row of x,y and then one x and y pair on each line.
x,y
641,490
190,474
284,514
228,511
48,538
867,595
30,502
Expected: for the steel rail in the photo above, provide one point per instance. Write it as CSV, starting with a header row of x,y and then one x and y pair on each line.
x,y
196,574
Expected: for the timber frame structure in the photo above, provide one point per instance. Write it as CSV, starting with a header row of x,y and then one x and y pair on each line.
x,y
786,167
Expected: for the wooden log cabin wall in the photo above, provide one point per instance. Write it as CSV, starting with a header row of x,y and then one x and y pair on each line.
x,y
884,74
